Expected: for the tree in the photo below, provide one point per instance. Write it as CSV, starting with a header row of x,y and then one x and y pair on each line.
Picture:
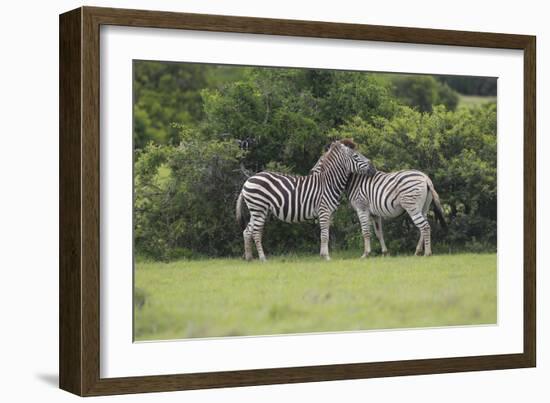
x,y
166,93
185,199
423,92
457,150
194,144
471,85
290,112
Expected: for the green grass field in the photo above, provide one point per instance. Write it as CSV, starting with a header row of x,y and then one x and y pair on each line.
x,y
230,297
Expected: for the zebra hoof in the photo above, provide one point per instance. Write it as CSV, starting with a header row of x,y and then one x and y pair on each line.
x,y
364,256
428,254
263,260
386,253
418,253
326,257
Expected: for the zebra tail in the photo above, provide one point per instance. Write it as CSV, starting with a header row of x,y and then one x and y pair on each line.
x,y
239,211
438,209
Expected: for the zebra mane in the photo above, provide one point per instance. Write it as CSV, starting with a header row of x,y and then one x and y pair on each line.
x,y
349,143
318,168
334,150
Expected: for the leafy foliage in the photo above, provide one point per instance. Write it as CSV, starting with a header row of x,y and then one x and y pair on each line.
x,y
175,214
471,85
423,92
457,150
288,112
200,129
170,92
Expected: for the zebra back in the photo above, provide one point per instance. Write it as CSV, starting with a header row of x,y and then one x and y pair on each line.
x,y
296,198
382,191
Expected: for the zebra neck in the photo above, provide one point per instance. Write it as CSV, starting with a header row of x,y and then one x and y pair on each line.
x,y
335,181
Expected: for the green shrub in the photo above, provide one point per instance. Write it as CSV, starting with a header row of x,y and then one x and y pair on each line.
x,y
457,150
423,92
187,181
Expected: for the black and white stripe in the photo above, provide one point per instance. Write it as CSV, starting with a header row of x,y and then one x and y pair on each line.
x,y
388,195
299,198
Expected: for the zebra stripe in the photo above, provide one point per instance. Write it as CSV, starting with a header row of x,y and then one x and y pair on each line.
x,y
388,195
298,198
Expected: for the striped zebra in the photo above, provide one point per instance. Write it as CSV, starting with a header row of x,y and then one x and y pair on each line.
x,y
299,198
388,195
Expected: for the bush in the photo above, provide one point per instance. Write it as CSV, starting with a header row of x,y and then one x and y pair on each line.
x,y
457,150
471,85
288,113
185,199
423,92
281,119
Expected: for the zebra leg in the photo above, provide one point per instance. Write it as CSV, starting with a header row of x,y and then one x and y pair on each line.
x,y
423,225
364,219
427,235
427,229
324,222
361,207
247,235
380,234
420,245
258,220
425,239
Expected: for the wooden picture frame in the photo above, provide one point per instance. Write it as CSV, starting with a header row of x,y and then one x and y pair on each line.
x,y
80,184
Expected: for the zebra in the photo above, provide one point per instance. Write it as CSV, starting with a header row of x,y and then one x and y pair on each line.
x,y
388,195
299,198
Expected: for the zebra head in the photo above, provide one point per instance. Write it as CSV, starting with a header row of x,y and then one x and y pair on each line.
x,y
359,163
355,161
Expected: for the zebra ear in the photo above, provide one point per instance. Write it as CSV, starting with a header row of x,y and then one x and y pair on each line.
x,y
349,143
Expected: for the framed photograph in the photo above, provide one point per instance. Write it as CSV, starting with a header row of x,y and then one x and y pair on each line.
x,y
248,201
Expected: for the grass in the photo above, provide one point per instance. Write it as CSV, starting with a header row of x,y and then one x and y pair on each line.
x,y
466,101
230,297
